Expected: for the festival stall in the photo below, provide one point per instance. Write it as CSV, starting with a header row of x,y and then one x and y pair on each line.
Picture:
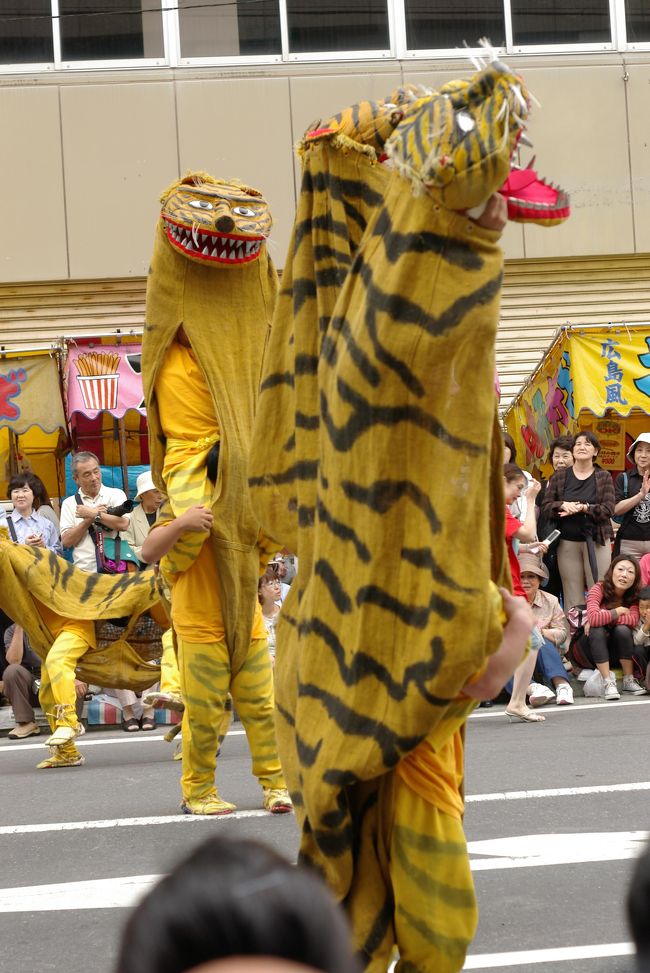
x,y
105,405
33,429
592,377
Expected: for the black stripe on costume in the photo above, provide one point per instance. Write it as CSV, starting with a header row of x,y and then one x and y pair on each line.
x,y
303,290
417,616
364,665
357,354
381,495
325,223
324,570
396,244
307,755
304,421
305,364
323,252
304,470
352,723
421,557
341,189
277,378
365,416
343,531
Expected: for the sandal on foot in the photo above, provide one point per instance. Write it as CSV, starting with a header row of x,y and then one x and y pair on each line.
x,y
146,723
130,726
528,717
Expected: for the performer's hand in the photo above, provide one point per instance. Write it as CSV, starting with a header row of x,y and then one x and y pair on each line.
x,y
197,518
495,214
80,688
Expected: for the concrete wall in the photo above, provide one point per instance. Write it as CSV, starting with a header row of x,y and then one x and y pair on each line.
x,y
86,155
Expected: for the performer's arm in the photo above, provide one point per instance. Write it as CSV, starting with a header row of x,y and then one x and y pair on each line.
x,y
162,538
505,660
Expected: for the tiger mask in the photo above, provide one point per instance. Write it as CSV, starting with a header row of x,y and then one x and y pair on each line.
x,y
213,221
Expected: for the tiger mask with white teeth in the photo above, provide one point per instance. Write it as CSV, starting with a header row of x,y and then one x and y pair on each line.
x,y
214,221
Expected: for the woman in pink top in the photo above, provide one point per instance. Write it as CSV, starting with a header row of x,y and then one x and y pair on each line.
x,y
612,616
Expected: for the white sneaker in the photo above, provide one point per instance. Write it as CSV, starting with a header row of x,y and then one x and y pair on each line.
x,y
584,674
630,685
564,694
610,689
539,695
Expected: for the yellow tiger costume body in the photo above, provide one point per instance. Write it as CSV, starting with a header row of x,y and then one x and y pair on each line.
x,y
391,495
212,277
47,595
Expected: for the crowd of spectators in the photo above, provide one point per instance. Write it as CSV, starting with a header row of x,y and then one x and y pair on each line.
x,y
585,591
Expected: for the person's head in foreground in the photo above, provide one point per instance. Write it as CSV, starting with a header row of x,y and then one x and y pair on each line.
x,y
233,897
638,910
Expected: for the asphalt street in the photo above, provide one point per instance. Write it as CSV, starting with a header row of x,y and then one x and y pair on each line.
x,y
556,814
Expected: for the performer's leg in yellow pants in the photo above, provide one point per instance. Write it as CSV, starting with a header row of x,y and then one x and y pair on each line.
x,y
205,681
170,677
412,887
57,694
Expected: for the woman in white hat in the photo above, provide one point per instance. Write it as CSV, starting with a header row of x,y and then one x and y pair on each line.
x,y
632,492
140,521
143,516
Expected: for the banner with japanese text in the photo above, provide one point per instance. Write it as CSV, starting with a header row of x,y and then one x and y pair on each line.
x,y
590,379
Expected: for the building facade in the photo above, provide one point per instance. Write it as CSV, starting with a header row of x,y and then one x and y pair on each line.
x,y
107,102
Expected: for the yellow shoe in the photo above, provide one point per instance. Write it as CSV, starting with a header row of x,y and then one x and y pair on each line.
x,y
64,734
277,800
173,701
210,804
58,760
178,752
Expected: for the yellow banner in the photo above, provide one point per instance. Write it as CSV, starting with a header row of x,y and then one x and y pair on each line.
x,y
30,394
585,377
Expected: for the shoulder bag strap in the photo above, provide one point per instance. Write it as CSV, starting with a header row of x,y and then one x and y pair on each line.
x,y
12,529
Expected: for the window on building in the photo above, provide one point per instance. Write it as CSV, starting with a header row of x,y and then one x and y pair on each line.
x,y
558,22
637,17
223,28
102,30
337,25
453,23
26,32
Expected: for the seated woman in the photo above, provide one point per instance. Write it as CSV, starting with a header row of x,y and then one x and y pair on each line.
x,y
553,627
612,616
26,526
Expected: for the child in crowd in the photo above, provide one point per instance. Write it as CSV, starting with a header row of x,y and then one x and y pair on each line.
x,y
642,632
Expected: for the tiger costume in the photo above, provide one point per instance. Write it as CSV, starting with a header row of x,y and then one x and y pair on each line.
x,y
389,381
210,297
61,609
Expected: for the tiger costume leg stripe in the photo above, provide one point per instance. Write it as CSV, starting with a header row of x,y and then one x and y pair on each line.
x,y
413,883
205,680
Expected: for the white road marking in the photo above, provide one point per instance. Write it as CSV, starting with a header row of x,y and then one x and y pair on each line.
x,y
83,742
559,954
587,707
105,893
642,785
532,850
10,829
